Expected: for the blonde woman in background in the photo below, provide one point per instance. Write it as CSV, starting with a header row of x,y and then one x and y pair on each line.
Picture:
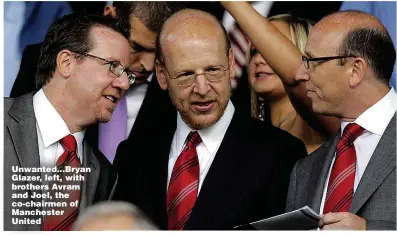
x,y
268,89
285,58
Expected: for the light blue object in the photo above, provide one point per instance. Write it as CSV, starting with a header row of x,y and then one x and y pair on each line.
x,y
26,23
385,12
14,19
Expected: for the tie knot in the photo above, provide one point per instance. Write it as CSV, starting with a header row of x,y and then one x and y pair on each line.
x,y
351,132
193,138
69,143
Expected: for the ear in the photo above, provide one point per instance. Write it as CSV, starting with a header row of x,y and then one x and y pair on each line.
x,y
65,63
109,10
357,71
160,74
231,64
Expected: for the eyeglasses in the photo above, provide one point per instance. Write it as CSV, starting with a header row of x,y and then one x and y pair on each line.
x,y
114,66
306,60
212,74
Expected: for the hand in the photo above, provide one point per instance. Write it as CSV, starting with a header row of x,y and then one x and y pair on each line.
x,y
342,220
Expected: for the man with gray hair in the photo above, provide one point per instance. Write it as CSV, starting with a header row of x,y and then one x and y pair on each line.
x,y
112,215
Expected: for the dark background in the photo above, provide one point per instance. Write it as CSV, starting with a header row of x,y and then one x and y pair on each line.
x,y
309,9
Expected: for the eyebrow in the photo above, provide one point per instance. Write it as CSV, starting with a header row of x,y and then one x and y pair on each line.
x,y
136,44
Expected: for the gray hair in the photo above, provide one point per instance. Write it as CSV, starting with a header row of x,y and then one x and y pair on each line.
x,y
105,209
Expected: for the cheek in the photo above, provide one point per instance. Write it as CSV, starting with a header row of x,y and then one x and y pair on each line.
x,y
134,58
178,96
222,90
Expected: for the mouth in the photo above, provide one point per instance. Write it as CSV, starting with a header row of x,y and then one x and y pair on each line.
x,y
141,75
203,106
111,98
309,92
261,75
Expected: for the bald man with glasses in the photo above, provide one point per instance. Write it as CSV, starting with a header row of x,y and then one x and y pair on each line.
x,y
206,165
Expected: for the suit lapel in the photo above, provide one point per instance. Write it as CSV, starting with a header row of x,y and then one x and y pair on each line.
x,y
220,172
90,185
24,135
158,166
382,162
319,172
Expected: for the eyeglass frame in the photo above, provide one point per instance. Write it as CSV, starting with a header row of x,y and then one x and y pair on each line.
x,y
111,63
306,60
195,75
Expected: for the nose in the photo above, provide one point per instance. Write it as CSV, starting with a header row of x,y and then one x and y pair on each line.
x,y
147,61
121,82
258,60
302,75
201,85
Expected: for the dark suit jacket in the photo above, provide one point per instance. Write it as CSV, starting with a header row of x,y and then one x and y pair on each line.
x,y
375,196
151,105
21,150
247,181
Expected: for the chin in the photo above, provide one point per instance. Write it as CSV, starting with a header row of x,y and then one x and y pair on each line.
x,y
320,110
198,122
263,89
104,117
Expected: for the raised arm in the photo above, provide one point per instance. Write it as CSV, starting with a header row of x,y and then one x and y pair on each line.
x,y
284,58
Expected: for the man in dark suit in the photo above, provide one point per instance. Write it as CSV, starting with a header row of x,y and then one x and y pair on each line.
x,y
83,75
144,99
204,166
351,179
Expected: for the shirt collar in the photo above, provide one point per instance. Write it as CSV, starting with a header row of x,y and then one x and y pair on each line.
x,y
376,118
51,125
211,136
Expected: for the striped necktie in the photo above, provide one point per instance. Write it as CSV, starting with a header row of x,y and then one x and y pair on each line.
x,y
341,181
183,186
69,158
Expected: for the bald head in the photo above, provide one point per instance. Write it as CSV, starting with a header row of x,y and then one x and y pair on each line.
x,y
190,25
350,20
362,35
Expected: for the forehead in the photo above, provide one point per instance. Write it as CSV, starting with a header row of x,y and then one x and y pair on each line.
x,y
110,44
141,34
324,42
187,53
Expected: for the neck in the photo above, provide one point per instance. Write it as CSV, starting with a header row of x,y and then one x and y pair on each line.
x,y
280,110
58,99
372,95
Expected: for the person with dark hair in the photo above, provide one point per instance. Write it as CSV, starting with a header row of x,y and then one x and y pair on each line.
x,y
349,58
83,73
206,166
144,100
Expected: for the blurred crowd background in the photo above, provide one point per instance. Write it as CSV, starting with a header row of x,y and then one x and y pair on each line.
x,y
27,22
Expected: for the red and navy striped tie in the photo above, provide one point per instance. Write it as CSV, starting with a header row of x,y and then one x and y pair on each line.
x,y
341,181
183,187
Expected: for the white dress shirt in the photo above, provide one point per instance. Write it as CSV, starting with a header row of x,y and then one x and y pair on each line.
x,y
375,121
134,99
51,128
211,140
